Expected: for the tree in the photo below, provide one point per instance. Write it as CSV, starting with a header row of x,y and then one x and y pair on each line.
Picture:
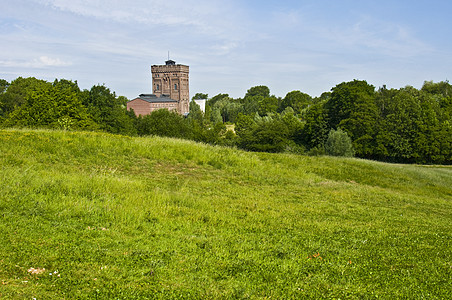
x,y
200,96
195,112
211,102
339,144
15,93
56,105
352,107
108,110
264,134
260,90
297,100
345,98
163,122
316,128
268,105
3,86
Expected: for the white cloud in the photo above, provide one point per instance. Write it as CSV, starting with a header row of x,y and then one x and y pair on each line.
x,y
380,37
41,62
46,61
169,12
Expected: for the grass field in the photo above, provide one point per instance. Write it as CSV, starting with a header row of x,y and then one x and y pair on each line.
x,y
92,215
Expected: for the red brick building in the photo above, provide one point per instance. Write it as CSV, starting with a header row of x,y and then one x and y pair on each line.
x,y
147,103
170,86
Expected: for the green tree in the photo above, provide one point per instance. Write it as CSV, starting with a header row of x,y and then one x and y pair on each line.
x,y
268,105
339,144
263,135
200,96
163,122
3,86
108,111
195,112
251,104
260,90
211,102
316,127
56,105
297,100
352,107
345,98
15,93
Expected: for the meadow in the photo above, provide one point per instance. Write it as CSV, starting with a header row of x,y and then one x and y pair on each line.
x,y
88,215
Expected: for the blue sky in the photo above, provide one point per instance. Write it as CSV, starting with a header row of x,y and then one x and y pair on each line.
x,y
230,46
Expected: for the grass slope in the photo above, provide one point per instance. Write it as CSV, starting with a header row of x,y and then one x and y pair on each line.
x,y
115,217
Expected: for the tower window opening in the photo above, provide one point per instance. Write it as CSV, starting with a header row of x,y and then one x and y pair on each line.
x,y
175,86
157,87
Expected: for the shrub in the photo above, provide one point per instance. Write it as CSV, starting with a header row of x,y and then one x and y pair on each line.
x,y
339,144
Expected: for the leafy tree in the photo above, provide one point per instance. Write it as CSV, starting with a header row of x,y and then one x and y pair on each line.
x,y
339,144
251,104
413,129
3,86
195,112
263,135
200,96
268,105
163,122
316,128
231,110
211,102
297,100
54,105
260,90
15,93
294,125
215,115
108,110
352,107
345,98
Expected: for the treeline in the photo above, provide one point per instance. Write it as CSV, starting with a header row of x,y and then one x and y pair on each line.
x,y
404,125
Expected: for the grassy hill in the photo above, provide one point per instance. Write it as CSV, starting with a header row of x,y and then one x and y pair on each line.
x,y
86,215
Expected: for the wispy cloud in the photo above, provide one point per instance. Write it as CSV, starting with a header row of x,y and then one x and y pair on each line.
x,y
382,37
169,12
41,62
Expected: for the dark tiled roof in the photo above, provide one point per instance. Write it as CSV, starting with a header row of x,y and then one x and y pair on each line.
x,y
151,98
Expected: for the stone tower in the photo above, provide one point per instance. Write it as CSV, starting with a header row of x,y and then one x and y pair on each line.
x,y
172,80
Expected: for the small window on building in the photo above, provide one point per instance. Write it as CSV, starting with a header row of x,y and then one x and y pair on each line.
x,y
175,86
157,87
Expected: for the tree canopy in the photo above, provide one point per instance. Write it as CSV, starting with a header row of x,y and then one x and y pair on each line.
x,y
397,125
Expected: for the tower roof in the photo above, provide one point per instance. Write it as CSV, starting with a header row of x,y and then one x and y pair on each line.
x,y
170,62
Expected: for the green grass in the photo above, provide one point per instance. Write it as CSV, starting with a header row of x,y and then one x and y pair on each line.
x,y
114,217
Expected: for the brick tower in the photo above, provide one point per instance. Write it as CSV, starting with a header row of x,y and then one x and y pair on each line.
x,y
172,80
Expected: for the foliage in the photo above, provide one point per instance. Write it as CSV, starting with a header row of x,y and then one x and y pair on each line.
x,y
163,122
260,90
405,125
200,96
13,95
339,144
297,100
315,130
262,134
49,105
108,110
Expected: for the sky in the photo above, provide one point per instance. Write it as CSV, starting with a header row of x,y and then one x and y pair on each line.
x,y
230,46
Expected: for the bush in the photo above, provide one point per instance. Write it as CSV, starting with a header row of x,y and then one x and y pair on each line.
x,y
339,144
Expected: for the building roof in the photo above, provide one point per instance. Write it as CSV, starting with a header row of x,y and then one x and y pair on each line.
x,y
151,98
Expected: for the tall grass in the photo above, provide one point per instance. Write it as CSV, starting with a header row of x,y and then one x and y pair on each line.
x,y
112,217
